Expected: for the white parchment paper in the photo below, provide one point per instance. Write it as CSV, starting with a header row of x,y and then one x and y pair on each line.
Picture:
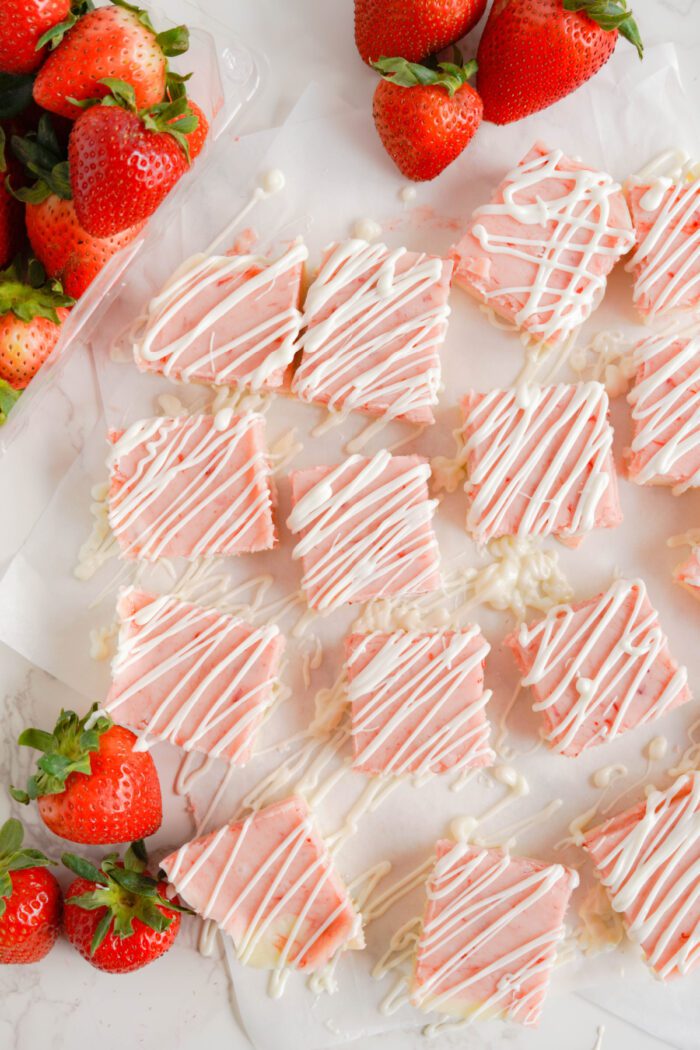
x,y
337,173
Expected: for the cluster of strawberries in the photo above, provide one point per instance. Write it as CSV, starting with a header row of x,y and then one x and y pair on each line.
x,y
93,787
95,130
531,54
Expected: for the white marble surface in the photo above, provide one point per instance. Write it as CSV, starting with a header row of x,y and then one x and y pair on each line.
x,y
183,1001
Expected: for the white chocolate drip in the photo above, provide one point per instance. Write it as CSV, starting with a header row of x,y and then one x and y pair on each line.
x,y
660,400
563,647
350,357
562,424
249,357
569,232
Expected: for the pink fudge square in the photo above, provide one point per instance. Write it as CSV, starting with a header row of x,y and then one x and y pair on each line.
x,y
269,883
374,322
648,859
666,260
490,931
665,403
545,468
417,700
539,254
688,572
196,677
225,319
365,528
599,668
189,487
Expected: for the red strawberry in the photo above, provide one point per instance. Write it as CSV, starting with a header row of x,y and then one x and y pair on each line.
x,y
65,249
412,29
57,238
11,210
425,117
108,42
534,52
30,900
123,163
31,313
22,25
197,138
91,784
117,916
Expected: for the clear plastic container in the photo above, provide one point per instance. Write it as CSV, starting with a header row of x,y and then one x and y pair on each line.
x,y
226,76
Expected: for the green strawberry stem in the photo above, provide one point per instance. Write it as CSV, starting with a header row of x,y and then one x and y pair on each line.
x,y
449,75
609,15
124,890
42,157
55,34
67,750
8,398
26,293
15,858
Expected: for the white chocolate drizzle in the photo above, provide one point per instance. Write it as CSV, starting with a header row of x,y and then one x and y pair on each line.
x,y
375,350
651,874
233,475
563,645
339,510
666,410
562,424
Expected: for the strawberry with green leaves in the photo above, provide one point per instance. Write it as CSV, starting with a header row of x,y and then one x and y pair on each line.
x,y
116,915
23,25
412,29
534,52
30,899
91,784
116,41
124,161
425,117
32,311
68,252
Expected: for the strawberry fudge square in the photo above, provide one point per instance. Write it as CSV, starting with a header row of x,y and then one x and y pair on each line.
x,y
190,487
599,668
417,700
539,254
666,260
269,883
365,530
490,931
374,321
539,468
688,572
226,320
196,677
648,859
665,403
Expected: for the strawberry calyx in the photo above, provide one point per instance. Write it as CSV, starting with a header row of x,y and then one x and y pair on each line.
x,y
8,398
15,857
25,292
449,75
55,34
64,751
172,42
15,93
125,890
609,15
171,117
41,156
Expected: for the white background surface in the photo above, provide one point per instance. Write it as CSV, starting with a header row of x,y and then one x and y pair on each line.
x,y
183,1001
